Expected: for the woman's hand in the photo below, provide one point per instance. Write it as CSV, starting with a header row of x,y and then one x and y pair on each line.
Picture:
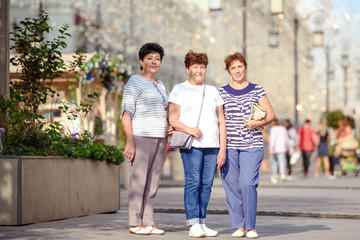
x,y
251,124
169,132
130,151
271,151
195,132
221,158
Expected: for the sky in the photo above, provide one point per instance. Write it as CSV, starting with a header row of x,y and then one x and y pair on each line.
x,y
351,6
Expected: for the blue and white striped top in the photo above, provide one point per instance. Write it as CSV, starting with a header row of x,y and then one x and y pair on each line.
x,y
237,107
147,104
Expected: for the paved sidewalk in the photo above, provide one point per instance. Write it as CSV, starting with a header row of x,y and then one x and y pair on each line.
x,y
321,195
114,226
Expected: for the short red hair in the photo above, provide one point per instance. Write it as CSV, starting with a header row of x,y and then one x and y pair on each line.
x,y
195,58
233,57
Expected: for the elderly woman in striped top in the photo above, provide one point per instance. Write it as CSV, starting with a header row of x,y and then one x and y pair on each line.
x,y
244,150
144,113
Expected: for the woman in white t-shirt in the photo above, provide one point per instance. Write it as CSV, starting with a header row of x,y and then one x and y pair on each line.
x,y
209,146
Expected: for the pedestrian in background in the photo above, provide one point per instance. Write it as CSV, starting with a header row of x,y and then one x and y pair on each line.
x,y
279,142
240,174
323,150
344,139
144,112
291,131
305,141
344,129
209,146
265,162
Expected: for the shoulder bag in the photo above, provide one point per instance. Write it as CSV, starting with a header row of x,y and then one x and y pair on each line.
x,y
182,140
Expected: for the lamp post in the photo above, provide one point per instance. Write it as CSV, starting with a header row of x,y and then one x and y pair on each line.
x,y
327,53
296,26
4,52
244,28
358,77
345,64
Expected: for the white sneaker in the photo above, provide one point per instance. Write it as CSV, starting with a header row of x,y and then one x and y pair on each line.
x,y
155,231
196,231
273,179
140,230
282,177
238,234
208,232
252,234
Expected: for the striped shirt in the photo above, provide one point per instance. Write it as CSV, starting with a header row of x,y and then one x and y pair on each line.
x,y
237,107
147,104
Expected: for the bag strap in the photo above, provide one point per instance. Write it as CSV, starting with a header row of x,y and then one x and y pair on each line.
x,y
201,106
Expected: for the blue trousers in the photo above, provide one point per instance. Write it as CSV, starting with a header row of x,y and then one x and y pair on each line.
x,y
279,163
199,168
240,177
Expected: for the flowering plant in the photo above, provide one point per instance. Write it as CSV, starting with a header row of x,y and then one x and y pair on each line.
x,y
26,133
112,72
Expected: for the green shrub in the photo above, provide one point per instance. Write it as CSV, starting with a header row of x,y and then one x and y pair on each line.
x,y
40,61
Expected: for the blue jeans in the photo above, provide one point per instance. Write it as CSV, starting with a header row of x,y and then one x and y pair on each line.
x,y
240,177
199,168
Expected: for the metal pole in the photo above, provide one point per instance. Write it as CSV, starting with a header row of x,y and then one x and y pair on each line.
x,y
4,52
244,28
327,77
358,93
345,87
296,24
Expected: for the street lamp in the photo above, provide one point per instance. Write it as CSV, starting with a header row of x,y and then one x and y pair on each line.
x,y
318,41
345,65
215,5
309,60
276,6
273,38
318,38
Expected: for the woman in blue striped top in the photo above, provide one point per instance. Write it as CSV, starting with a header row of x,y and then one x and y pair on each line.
x,y
244,147
144,112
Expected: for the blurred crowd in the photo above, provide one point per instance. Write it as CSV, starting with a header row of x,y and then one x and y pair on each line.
x,y
321,152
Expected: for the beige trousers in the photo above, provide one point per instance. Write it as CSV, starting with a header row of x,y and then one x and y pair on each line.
x,y
146,172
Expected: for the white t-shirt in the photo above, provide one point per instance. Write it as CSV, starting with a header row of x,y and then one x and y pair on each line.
x,y
189,98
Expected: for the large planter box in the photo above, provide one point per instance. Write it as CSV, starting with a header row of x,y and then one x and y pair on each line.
x,y
36,189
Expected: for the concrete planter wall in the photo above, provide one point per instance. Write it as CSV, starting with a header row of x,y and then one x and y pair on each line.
x,y
36,189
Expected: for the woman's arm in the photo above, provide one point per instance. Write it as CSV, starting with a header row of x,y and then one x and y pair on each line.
x,y
221,157
130,143
174,113
270,115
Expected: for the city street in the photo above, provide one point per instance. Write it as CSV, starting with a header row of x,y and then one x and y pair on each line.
x,y
304,208
91,93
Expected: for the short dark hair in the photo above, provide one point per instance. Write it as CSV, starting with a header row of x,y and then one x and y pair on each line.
x,y
288,122
148,48
233,57
195,58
